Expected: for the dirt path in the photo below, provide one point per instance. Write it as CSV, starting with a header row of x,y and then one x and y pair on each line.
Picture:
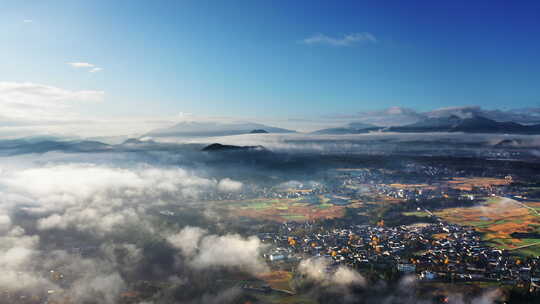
x,y
524,246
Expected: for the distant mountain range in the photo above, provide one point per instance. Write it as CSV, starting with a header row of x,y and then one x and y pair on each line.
x,y
23,146
451,123
351,128
474,124
451,120
30,146
211,129
399,116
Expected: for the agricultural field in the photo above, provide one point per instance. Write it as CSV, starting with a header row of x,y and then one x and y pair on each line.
x,y
498,219
281,282
284,210
468,183
417,213
533,205
413,186
278,279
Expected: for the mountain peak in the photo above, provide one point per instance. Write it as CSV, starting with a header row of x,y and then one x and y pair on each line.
x,y
221,147
212,129
473,124
258,131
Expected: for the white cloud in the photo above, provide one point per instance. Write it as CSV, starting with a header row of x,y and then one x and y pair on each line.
x,y
229,185
29,94
346,40
32,101
101,201
319,270
28,20
5,222
52,221
92,280
95,198
231,250
187,240
92,68
98,287
28,108
81,64
17,253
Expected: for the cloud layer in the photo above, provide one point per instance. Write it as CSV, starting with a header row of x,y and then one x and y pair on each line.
x,y
231,250
25,101
106,207
92,68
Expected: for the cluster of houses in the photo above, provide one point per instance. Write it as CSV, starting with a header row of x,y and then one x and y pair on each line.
x,y
441,251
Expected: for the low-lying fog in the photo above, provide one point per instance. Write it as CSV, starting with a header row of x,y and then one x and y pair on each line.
x,y
92,217
386,143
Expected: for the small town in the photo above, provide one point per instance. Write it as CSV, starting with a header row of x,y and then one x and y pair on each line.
x,y
432,252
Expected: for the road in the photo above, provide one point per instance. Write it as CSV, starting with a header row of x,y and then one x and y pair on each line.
x,y
513,200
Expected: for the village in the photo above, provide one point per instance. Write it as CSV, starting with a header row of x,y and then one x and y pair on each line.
x,y
431,252
431,248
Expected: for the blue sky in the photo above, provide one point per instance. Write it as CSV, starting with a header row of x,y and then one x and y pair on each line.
x,y
274,58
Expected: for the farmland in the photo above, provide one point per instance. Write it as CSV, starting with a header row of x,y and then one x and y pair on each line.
x,y
469,183
283,210
498,219
278,279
